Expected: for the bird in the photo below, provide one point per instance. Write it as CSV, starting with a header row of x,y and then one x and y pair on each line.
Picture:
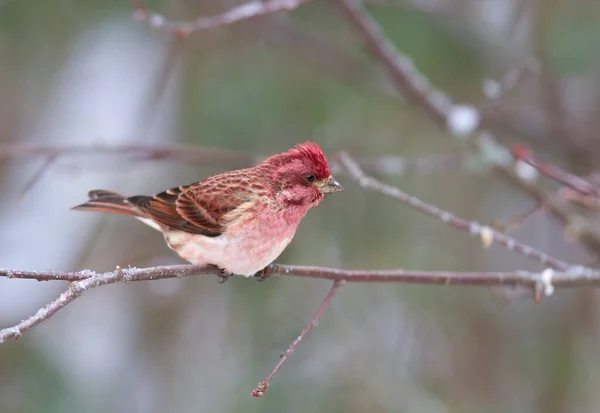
x,y
239,221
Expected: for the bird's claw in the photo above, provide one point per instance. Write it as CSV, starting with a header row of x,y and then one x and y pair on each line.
x,y
264,273
223,275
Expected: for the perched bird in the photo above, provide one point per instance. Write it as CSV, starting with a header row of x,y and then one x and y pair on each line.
x,y
239,221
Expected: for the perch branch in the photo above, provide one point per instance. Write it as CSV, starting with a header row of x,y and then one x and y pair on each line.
x,y
576,276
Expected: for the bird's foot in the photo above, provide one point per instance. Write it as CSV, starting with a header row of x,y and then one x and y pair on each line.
x,y
264,273
223,275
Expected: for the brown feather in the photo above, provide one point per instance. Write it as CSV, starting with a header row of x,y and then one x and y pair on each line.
x,y
107,201
194,208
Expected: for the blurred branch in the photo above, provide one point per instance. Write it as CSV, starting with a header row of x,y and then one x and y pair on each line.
x,y
495,90
574,276
264,385
246,11
399,67
434,7
151,105
552,100
487,235
574,224
572,181
38,174
518,220
196,155
576,190
200,155
460,120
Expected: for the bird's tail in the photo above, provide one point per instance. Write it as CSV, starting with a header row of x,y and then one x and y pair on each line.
x,y
110,202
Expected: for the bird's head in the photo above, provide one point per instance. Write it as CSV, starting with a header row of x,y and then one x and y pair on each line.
x,y
301,176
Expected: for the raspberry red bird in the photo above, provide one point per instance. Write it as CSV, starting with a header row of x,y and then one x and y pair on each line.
x,y
241,220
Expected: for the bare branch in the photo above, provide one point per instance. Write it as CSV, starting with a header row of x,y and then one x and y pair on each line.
x,y
566,178
126,274
264,385
202,155
400,68
487,234
443,111
575,225
74,290
414,85
574,276
482,279
197,155
576,190
246,11
438,105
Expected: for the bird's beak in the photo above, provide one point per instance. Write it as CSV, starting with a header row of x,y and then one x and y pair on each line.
x,y
329,186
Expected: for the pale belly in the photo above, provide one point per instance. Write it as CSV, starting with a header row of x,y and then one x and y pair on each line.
x,y
244,250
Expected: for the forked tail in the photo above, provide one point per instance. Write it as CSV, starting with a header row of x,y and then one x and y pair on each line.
x,y
110,202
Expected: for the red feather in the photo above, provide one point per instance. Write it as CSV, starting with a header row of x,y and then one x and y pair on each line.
x,y
313,156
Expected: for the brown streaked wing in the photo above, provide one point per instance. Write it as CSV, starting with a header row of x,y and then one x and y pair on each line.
x,y
210,200
195,208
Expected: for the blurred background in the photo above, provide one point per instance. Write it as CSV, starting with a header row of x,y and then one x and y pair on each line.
x,y
85,73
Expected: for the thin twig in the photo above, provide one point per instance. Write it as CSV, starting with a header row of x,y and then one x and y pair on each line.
x,y
495,90
245,11
517,220
487,234
591,202
587,235
566,178
38,175
264,385
74,290
151,104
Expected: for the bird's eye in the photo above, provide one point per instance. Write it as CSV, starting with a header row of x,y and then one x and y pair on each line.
x,y
310,178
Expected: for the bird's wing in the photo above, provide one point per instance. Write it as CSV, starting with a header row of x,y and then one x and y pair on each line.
x,y
198,208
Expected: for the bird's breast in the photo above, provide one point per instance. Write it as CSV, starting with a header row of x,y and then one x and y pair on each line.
x,y
247,245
